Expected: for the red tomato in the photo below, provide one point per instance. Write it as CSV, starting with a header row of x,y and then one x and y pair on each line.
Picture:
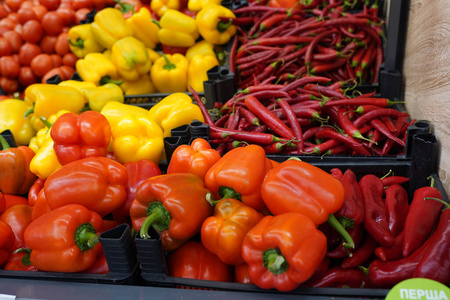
x,y
9,67
32,31
26,14
41,64
27,77
50,4
14,40
77,4
3,30
14,16
56,59
68,71
13,5
52,23
27,52
40,11
3,11
27,4
5,47
9,86
62,44
80,14
19,29
47,44
67,14
69,59
8,23
53,72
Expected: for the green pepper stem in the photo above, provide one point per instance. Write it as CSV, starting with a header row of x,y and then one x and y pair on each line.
x,y
46,122
29,111
274,261
125,7
157,23
222,26
79,43
157,214
86,237
334,223
26,258
107,79
446,204
4,143
169,65
228,192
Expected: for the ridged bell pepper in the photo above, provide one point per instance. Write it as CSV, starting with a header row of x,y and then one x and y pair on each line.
x,y
160,7
98,183
113,111
223,233
109,26
11,118
130,56
81,40
33,193
98,96
137,137
197,5
45,162
15,176
153,55
78,85
198,66
203,48
7,239
65,239
174,204
142,86
39,140
143,28
79,136
177,29
283,251
45,100
169,73
173,111
97,68
211,28
195,158
239,174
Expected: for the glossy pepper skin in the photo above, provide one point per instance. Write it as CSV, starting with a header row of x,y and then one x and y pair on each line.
x,y
130,56
114,110
197,5
160,7
173,111
109,26
177,29
223,233
16,177
40,139
174,204
353,206
80,136
98,96
81,40
98,183
18,217
46,100
169,73
11,118
33,193
97,68
203,48
211,28
143,28
197,71
283,251
143,85
79,85
195,158
137,137
397,207
7,239
242,170
65,239
193,260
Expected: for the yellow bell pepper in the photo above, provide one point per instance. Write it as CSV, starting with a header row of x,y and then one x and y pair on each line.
x,y
100,95
203,48
143,28
211,28
143,85
109,26
169,73
153,55
97,68
175,110
161,6
177,29
11,117
38,141
79,85
45,162
47,99
130,56
81,40
198,66
197,5
137,137
113,111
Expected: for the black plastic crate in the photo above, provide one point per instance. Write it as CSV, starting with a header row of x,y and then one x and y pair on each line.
x,y
120,253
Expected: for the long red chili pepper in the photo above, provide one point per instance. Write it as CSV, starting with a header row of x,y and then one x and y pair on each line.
x,y
378,113
201,105
321,68
250,137
348,126
381,127
311,46
357,147
295,126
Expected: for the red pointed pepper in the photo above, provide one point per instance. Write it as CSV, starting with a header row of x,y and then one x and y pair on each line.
x,y
353,206
397,207
7,239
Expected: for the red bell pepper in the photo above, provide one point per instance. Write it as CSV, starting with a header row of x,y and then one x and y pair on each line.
x,y
283,251
192,260
18,217
2,203
174,204
41,206
137,173
196,158
11,200
241,274
223,233
7,240
239,174
100,265
19,260
65,239
79,136
98,183
15,177
37,186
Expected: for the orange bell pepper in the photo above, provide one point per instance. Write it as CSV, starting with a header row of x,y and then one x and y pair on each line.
x,y
223,233
195,158
65,239
283,251
79,136
15,176
18,217
98,183
37,186
174,204
241,172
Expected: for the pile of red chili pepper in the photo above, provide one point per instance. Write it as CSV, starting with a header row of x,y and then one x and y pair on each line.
x,y
278,44
307,116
